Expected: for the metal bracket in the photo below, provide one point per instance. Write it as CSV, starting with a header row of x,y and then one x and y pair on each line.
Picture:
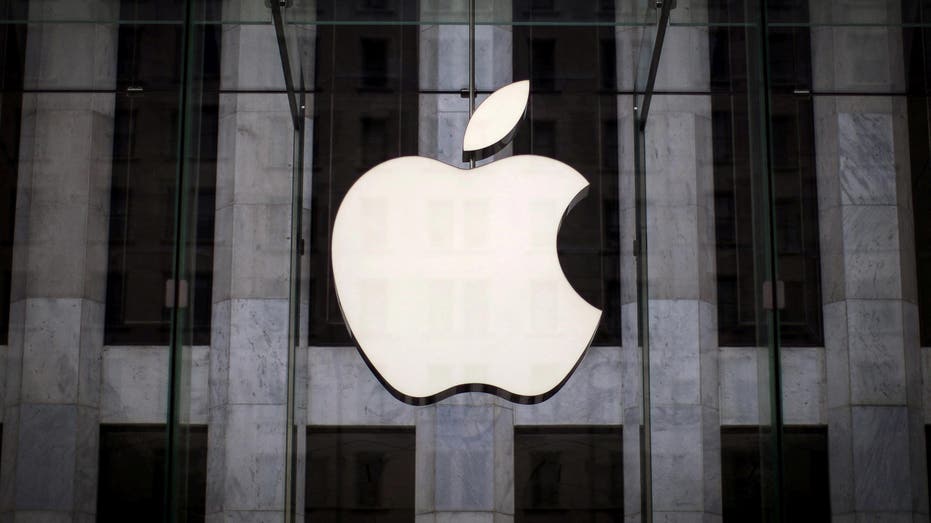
x,y
644,108
278,21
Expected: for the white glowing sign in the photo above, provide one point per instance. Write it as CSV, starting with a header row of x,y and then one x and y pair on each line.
x,y
449,278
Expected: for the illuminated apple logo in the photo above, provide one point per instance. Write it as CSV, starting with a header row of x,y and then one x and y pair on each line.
x,y
448,278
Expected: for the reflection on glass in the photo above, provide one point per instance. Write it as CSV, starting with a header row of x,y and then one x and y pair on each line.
x,y
360,474
12,60
806,495
918,76
793,167
568,474
365,112
131,480
145,162
572,117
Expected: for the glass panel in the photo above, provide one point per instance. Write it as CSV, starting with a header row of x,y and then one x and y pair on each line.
x,y
360,474
362,64
918,74
243,383
757,243
366,111
456,12
92,128
637,394
794,177
132,469
846,117
807,496
13,56
706,215
146,124
586,139
196,287
568,474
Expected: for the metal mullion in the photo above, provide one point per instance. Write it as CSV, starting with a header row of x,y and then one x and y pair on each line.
x,y
661,25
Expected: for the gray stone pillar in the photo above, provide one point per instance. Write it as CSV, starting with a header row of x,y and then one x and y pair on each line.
x,y
465,444
686,445
246,461
50,430
464,460
875,429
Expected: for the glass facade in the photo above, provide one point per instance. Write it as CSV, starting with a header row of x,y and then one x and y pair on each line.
x,y
755,231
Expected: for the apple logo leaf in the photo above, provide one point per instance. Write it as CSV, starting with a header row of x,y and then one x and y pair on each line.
x,y
493,123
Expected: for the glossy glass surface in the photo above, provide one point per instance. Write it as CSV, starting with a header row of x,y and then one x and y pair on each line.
x,y
360,474
568,474
173,348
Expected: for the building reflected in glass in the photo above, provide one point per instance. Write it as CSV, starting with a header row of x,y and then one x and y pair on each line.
x,y
756,231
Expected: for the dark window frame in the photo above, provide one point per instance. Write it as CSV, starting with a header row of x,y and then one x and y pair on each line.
x,y
742,497
367,498
550,496
794,169
917,51
13,58
145,62
148,504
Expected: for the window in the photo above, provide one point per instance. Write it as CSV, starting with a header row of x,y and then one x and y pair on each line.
x,y
543,63
12,58
357,474
365,112
918,75
374,62
793,167
572,117
131,477
806,493
568,474
145,163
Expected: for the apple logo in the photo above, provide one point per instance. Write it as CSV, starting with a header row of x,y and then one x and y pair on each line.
x,y
449,279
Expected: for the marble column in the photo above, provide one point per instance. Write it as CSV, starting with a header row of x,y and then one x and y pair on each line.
x,y
246,461
465,444
464,460
51,407
685,427
874,404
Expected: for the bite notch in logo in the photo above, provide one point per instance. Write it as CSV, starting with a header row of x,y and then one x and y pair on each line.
x,y
449,279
